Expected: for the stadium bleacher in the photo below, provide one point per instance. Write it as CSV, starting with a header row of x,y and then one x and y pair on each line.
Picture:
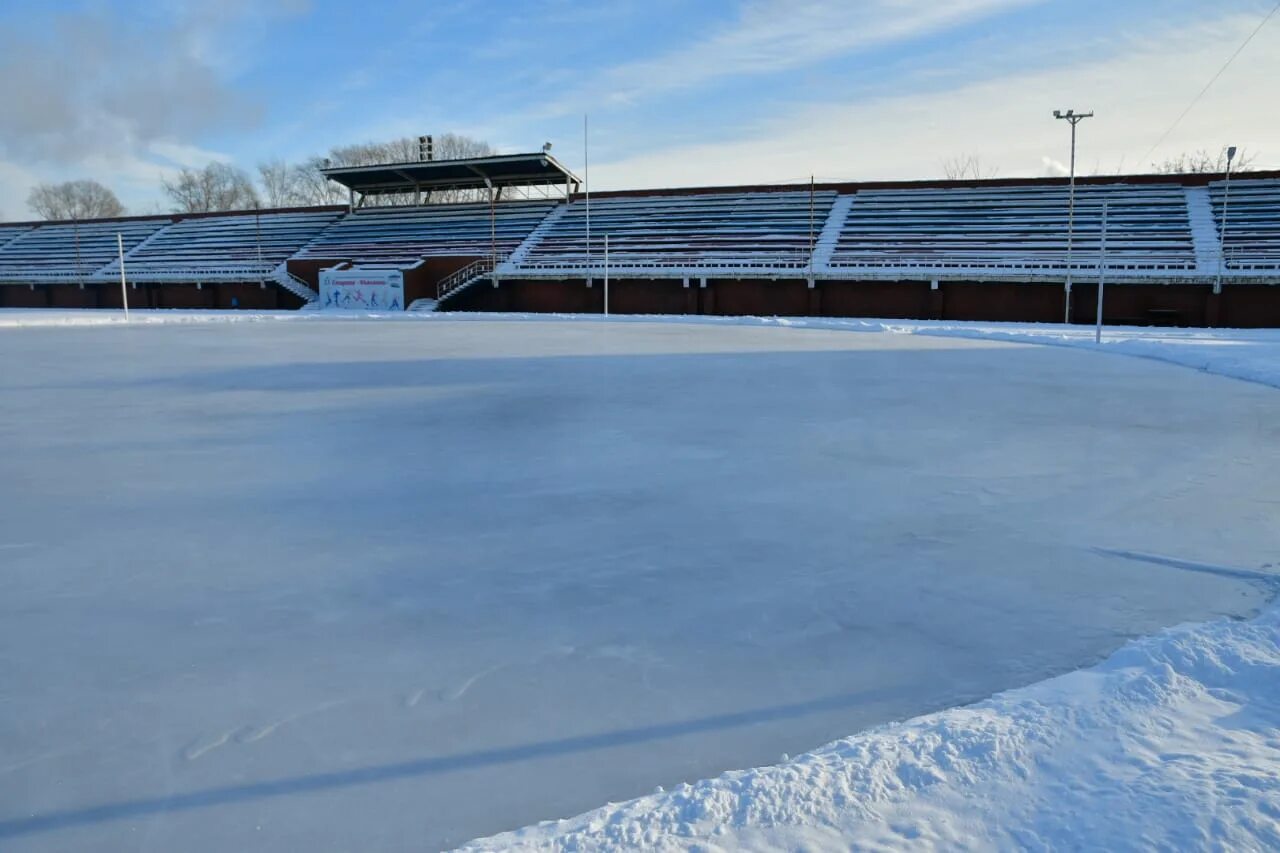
x,y
402,236
722,231
771,243
9,233
233,247
69,251
1252,238
1021,228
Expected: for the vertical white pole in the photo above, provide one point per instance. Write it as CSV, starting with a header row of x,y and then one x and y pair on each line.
x,y
1222,229
586,182
606,275
124,292
1102,269
1071,223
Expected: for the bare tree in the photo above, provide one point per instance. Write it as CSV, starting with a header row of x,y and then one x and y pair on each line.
x,y
218,186
304,184
74,200
279,182
1202,161
967,167
449,146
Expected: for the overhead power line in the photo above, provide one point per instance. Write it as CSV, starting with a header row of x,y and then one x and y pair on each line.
x,y
1212,80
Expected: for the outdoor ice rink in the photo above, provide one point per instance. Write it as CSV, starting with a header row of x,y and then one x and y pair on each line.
x,y
342,585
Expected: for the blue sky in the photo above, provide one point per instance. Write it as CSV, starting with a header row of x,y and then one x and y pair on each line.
x,y
679,92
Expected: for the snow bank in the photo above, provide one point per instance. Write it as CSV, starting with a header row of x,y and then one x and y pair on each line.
x,y
1173,742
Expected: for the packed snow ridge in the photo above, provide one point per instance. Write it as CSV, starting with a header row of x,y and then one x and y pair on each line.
x,y
1173,742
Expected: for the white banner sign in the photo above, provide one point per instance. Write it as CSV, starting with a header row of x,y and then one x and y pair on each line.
x,y
362,290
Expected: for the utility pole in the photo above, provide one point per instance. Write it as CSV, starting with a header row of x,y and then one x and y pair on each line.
x,y
1102,274
124,292
257,231
1222,229
811,224
586,183
1074,118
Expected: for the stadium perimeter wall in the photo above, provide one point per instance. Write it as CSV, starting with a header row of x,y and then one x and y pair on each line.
x,y
1239,305
226,295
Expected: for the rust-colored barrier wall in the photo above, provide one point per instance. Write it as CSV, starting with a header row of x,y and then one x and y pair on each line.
x,y
1028,303
253,296
73,296
1144,304
186,296
140,296
537,296
749,297
900,300
21,296
1249,306
647,296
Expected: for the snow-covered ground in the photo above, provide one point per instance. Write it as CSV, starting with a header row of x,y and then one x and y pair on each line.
x,y
333,584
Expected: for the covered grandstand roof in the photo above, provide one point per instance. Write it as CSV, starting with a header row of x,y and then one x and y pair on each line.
x,y
508,170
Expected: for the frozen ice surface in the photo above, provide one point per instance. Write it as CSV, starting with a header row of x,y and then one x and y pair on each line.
x,y
357,585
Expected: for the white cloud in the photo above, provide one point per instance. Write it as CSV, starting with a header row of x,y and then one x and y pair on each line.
x,y
775,35
1136,93
1054,167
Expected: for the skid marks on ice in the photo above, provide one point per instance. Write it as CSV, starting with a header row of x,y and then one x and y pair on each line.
x,y
252,733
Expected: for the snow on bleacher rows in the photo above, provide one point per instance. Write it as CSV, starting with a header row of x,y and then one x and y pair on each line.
x,y
68,251
720,231
1013,231
204,248
1252,210
229,247
1147,228
404,235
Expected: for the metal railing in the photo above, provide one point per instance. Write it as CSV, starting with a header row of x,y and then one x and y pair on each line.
x,y
455,281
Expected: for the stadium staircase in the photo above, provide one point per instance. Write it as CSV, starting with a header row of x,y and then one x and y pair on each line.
x,y
10,233
290,282
111,271
455,283
830,235
535,236
1204,230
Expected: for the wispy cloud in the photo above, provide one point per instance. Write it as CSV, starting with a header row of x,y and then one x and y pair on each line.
x,y
1135,91
769,36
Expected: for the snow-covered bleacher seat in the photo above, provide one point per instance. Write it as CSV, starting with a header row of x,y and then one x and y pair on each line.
x,y
68,251
229,247
9,233
401,236
1020,228
713,232
1252,239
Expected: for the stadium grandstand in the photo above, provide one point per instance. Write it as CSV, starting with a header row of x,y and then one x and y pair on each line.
x,y
517,233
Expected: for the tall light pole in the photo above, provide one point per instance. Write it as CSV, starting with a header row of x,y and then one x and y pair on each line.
x,y
1074,118
1222,229
586,177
